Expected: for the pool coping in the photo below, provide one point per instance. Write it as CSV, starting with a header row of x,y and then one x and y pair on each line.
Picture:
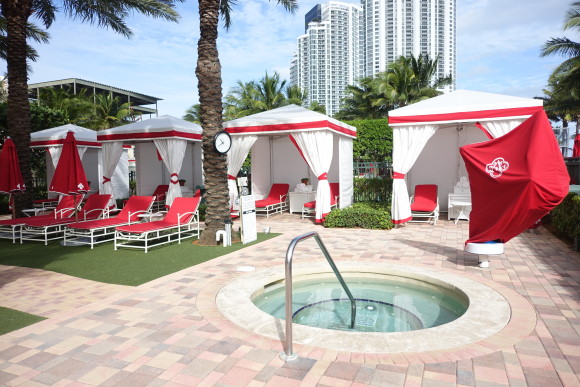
x,y
476,332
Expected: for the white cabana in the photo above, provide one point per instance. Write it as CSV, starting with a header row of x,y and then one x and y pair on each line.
x,y
167,149
290,143
91,154
427,136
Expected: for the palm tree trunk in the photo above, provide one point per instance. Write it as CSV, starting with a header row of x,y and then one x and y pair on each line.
x,y
17,13
209,79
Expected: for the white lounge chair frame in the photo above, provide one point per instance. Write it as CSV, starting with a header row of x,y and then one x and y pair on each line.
x,y
11,229
308,212
427,215
54,231
94,236
276,208
160,237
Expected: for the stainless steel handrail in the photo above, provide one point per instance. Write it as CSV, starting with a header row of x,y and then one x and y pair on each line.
x,y
288,354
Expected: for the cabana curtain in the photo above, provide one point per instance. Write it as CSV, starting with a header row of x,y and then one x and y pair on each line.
x,y
172,151
408,142
55,152
241,146
318,156
499,128
112,152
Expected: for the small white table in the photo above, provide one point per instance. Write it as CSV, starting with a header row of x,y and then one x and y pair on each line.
x,y
455,211
297,200
461,206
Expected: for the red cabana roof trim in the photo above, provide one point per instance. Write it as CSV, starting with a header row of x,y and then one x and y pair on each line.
x,y
480,115
290,127
38,144
149,135
61,142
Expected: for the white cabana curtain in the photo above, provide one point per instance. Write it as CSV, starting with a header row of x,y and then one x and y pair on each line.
x,y
499,128
318,155
172,152
241,146
56,151
112,152
408,142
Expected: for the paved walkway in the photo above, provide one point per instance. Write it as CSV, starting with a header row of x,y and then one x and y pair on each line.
x,y
169,332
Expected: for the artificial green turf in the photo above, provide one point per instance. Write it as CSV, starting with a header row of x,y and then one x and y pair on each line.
x,y
13,320
103,264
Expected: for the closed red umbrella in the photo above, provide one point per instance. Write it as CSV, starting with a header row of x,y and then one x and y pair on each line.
x,y
69,177
10,178
576,149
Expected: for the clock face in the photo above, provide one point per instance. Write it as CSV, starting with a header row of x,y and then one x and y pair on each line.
x,y
222,142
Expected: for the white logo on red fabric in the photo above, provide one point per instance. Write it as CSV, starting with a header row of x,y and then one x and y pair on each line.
x,y
497,167
81,186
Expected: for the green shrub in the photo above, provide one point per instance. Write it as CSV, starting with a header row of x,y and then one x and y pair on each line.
x,y
378,190
566,217
361,215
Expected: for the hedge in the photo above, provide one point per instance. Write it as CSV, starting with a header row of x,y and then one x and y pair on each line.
x,y
566,217
369,215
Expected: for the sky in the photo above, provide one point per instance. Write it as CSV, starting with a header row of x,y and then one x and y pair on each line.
x,y
498,44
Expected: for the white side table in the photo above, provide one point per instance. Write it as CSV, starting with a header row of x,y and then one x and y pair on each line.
x,y
297,200
461,206
453,209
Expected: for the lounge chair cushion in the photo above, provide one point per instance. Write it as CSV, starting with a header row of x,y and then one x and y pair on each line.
x,y
274,197
180,213
425,198
135,206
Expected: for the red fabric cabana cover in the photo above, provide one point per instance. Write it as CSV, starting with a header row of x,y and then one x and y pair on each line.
x,y
69,175
10,178
515,180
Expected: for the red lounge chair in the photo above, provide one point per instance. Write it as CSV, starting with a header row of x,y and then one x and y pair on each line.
x,y
275,202
181,222
10,228
309,209
46,230
93,232
159,194
45,203
425,204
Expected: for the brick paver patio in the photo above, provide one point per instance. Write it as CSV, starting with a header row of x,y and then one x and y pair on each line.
x,y
169,332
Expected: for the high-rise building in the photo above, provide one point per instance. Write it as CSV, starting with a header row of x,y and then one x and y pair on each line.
x,y
394,28
344,42
329,54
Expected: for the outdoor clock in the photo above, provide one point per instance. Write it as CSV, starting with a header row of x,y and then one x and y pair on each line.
x,y
222,142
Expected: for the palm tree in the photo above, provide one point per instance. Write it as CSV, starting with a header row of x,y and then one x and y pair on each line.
x,y
192,114
241,100
295,95
359,102
106,13
208,72
408,80
77,108
268,93
565,80
108,112
32,32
